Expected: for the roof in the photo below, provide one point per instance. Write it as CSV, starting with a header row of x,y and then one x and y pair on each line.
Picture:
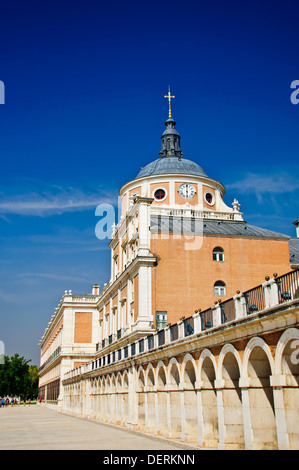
x,y
171,165
210,227
294,251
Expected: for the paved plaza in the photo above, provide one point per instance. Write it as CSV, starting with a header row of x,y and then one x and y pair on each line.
x,y
37,427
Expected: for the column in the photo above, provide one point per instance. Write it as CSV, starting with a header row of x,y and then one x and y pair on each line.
x,y
143,225
248,437
199,412
219,384
240,306
132,398
145,317
197,322
168,410
216,315
278,382
182,404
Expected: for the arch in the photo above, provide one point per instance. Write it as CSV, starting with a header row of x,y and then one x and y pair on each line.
x,y
207,374
256,342
104,383
150,397
210,369
109,382
287,365
258,366
141,398
161,374
228,349
161,399
119,380
173,372
188,374
229,370
150,376
113,380
140,377
125,380
125,397
291,334
189,370
119,398
173,381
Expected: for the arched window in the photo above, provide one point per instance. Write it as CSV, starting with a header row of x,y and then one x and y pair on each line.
x,y
219,288
218,254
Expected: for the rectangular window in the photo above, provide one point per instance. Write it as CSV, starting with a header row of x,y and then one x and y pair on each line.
x,y
161,320
219,290
218,256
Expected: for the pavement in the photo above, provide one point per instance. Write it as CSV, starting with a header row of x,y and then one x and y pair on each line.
x,y
37,427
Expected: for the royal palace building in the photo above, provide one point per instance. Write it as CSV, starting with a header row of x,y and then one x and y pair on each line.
x,y
183,340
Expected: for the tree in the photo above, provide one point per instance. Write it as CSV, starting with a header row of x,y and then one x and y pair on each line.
x,y
17,378
32,382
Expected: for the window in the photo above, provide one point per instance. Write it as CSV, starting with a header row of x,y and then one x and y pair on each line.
x,y
219,288
161,319
124,257
209,197
115,268
218,254
159,194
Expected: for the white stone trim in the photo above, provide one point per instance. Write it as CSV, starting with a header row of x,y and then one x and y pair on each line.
x,y
253,343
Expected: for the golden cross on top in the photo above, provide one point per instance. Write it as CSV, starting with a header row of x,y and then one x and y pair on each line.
x,y
169,96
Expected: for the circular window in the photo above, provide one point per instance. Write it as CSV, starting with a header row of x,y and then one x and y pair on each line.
x,y
159,194
209,197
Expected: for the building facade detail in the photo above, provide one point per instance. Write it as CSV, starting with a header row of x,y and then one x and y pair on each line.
x,y
183,341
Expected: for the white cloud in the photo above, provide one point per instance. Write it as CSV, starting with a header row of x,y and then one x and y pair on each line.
x,y
52,201
56,277
9,298
261,185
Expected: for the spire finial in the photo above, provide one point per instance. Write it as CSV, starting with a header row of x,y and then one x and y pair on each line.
x,y
169,96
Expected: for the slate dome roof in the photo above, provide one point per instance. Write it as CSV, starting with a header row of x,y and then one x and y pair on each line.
x,y
171,165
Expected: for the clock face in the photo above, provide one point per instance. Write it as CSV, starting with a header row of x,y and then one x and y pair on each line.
x,y
186,190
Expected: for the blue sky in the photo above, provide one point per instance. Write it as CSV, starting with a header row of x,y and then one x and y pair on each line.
x,y
84,110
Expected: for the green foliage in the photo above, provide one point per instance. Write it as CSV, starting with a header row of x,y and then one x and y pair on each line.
x,y
17,378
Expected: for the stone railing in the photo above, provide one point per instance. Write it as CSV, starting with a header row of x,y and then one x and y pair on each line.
x,y
84,298
201,214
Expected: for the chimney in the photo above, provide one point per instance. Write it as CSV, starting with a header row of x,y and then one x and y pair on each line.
x,y
296,223
95,289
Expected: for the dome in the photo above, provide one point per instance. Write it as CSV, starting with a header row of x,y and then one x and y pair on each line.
x,y
171,165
